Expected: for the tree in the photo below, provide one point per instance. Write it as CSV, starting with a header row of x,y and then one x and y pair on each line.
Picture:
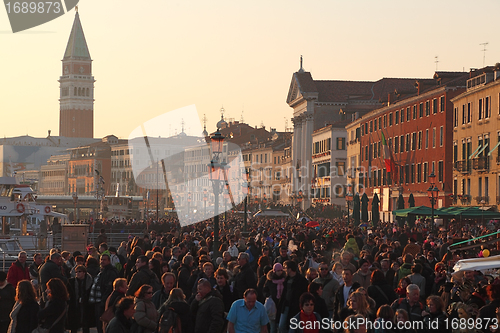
x,y
355,209
364,208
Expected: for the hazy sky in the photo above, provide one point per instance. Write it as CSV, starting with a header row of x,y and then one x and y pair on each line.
x,y
154,56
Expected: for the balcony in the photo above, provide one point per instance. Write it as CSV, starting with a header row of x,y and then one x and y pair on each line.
x,y
480,163
482,200
463,166
465,199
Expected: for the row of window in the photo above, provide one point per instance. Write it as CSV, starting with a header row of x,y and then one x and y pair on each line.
x,y
399,116
466,186
482,150
404,143
404,174
325,145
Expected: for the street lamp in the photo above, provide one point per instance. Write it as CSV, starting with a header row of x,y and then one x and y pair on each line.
x,y
246,191
349,198
75,201
205,198
433,194
299,199
217,177
226,198
189,202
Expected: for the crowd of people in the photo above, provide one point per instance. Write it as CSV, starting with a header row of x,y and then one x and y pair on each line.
x,y
279,276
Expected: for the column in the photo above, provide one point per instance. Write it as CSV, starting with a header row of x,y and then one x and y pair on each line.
x,y
307,131
296,152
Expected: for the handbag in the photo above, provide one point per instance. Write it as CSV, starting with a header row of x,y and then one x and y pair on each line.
x,y
107,315
40,329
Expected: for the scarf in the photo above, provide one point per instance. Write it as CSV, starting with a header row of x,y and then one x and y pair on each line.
x,y
279,287
13,317
305,318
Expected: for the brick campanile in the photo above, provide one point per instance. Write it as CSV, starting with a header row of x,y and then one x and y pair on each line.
x,y
76,84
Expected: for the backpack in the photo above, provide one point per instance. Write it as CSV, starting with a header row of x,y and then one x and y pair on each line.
x,y
169,322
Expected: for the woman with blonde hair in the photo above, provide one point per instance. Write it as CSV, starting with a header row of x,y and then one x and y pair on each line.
x,y
356,304
24,313
177,302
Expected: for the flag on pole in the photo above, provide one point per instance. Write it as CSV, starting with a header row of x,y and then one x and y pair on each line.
x,y
389,163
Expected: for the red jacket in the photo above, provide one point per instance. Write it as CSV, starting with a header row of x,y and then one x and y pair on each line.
x,y
17,273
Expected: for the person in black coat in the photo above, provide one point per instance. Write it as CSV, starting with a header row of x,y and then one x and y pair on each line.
x,y
25,311
57,296
294,286
122,321
79,307
224,288
51,269
381,292
7,301
177,302
245,279
319,303
489,311
185,274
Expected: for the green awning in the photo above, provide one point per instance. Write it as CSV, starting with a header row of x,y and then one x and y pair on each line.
x,y
420,211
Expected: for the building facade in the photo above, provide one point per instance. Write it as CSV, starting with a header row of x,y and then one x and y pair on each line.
x,y
476,138
418,132
316,103
54,176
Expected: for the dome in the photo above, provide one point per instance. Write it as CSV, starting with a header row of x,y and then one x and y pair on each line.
x,y
222,123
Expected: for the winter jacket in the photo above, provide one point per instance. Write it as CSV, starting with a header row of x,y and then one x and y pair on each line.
x,y
330,286
298,286
419,280
108,274
361,278
48,315
119,324
17,273
244,279
27,317
338,304
183,278
208,314
403,271
146,315
352,245
271,286
80,309
49,270
142,276
159,298
7,301
382,293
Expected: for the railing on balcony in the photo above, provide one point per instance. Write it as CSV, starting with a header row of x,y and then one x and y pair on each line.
x,y
462,166
482,200
480,163
465,199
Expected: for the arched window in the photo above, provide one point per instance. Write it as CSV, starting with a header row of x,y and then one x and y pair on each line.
x,y
75,94
88,92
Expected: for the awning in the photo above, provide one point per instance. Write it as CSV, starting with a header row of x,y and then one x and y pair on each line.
x,y
477,264
474,153
420,211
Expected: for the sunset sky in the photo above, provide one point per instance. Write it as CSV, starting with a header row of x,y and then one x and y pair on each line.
x,y
154,56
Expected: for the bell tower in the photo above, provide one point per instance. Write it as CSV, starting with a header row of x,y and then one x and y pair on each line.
x,y
76,85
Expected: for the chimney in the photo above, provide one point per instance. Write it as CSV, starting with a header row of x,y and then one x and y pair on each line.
x,y
497,71
418,85
389,99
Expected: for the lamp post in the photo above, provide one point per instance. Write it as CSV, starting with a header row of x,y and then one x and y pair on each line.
x,y
205,198
226,198
433,194
349,198
246,191
216,175
189,202
75,201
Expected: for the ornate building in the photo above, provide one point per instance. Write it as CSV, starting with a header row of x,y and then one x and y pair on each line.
x,y
76,87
